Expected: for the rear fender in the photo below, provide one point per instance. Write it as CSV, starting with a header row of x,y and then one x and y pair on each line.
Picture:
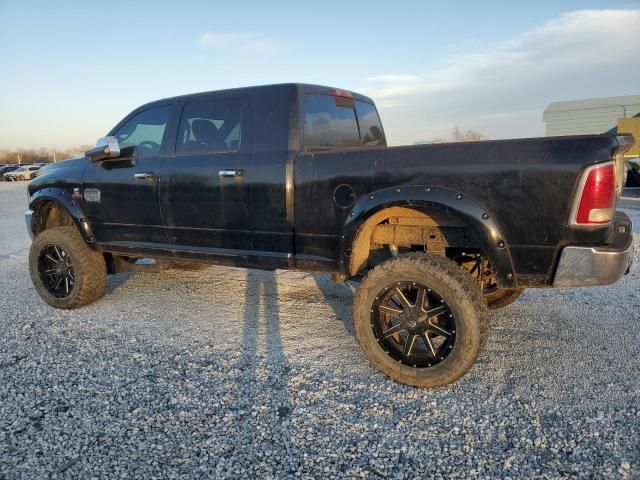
x,y
433,199
64,200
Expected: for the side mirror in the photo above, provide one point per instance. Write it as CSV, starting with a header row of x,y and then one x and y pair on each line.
x,y
106,148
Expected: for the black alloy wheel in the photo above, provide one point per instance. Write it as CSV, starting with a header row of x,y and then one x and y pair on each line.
x,y
420,319
55,267
413,324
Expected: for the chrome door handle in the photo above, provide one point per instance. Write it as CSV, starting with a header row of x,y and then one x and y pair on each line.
x,y
144,175
231,173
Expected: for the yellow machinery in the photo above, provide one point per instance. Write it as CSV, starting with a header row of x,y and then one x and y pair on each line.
x,y
631,126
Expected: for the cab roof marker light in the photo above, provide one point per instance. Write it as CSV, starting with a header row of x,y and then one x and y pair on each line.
x,y
341,93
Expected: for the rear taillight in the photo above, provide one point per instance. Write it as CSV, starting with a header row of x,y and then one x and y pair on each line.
x,y
596,198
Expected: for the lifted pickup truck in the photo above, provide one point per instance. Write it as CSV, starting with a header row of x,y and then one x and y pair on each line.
x,y
299,177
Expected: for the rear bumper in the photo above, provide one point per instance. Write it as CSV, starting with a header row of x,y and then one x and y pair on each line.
x,y
593,266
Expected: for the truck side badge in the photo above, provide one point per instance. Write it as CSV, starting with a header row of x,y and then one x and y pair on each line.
x,y
92,194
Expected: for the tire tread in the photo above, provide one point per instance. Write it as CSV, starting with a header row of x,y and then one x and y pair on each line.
x,y
94,279
447,272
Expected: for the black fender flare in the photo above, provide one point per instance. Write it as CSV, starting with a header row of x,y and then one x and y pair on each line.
x,y
66,201
470,212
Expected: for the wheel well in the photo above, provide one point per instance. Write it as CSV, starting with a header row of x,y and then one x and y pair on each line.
x,y
421,230
51,215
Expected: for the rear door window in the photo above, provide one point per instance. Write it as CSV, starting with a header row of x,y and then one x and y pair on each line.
x,y
329,122
208,126
371,133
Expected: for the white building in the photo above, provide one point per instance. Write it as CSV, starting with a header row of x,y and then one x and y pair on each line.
x,y
596,115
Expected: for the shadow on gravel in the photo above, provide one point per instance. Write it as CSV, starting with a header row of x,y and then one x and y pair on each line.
x,y
116,281
339,296
262,312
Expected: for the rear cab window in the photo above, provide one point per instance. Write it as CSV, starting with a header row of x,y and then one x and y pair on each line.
x,y
371,132
332,121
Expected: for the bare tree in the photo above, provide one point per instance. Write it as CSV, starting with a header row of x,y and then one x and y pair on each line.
x,y
457,135
469,136
474,136
39,155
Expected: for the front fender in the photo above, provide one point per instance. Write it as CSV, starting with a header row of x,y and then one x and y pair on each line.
x,y
66,201
470,212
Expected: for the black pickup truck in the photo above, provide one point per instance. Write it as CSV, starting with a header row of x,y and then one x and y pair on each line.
x,y
299,177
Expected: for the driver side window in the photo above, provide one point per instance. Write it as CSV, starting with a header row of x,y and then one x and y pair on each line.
x,y
145,131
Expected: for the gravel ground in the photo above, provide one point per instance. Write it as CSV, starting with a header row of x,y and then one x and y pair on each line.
x,y
233,373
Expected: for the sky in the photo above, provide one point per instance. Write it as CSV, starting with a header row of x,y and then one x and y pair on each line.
x,y
69,71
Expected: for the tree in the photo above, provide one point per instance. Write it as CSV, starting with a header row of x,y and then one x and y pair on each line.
x,y
469,136
39,155
456,136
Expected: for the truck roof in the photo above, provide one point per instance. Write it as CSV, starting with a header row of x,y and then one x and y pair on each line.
x,y
305,87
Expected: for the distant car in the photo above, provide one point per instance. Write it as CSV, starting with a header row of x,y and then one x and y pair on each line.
x,y
21,173
37,173
7,169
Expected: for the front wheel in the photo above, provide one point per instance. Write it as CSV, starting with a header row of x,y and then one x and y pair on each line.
x,y
420,319
65,272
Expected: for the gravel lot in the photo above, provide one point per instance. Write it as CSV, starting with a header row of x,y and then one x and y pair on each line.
x,y
238,373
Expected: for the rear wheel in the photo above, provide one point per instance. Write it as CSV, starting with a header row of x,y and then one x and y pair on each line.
x,y
65,272
420,319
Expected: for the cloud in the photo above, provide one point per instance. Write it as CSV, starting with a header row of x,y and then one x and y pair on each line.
x,y
253,43
586,52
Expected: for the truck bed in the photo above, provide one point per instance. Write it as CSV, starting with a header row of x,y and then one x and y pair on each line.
x,y
526,185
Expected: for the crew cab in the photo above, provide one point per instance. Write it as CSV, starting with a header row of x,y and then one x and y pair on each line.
x,y
300,177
